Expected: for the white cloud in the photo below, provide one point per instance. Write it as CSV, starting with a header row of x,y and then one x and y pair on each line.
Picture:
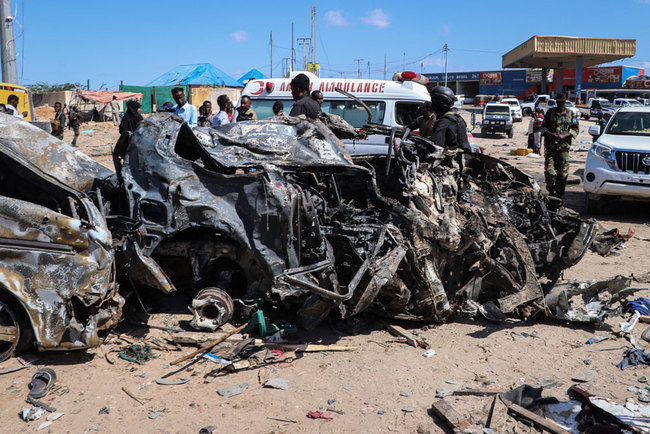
x,y
377,18
334,18
433,62
240,36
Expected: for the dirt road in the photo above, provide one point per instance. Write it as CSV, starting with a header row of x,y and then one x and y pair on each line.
x,y
380,386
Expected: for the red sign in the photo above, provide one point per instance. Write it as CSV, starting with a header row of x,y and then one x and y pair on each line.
x,y
603,75
490,78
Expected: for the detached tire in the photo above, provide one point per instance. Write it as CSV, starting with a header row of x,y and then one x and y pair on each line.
x,y
16,334
510,133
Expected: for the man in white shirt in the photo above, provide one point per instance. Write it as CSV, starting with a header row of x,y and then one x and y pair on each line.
x,y
222,118
184,109
115,111
12,107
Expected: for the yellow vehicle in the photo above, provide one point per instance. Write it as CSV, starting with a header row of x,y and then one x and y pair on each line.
x,y
24,98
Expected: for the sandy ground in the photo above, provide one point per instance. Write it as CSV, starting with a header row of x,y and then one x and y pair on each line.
x,y
366,385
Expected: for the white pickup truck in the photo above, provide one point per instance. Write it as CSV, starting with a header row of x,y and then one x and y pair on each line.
x,y
594,105
527,108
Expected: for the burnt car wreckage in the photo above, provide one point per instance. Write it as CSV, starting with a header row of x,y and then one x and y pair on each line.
x,y
57,279
278,210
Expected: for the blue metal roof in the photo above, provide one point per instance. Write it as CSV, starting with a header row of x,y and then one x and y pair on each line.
x,y
197,73
253,74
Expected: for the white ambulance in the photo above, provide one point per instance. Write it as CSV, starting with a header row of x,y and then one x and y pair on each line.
x,y
394,103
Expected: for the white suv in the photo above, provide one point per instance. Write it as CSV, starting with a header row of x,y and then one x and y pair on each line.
x,y
618,164
515,108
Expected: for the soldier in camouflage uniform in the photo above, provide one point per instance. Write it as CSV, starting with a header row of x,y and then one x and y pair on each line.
x,y
559,127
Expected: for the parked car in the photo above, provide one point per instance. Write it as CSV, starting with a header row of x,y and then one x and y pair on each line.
x,y
552,103
527,107
57,274
626,102
481,100
515,108
618,164
458,103
497,118
595,106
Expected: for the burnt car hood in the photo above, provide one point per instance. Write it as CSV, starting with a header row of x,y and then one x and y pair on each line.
x,y
291,142
51,155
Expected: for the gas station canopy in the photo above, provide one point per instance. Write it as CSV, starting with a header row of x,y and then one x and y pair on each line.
x,y
565,52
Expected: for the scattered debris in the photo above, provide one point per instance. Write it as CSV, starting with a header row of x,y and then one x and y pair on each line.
x,y
178,382
135,398
605,242
40,404
410,338
604,415
598,338
31,414
281,419
230,391
137,353
585,376
633,357
44,425
42,381
55,416
405,393
104,410
155,414
319,415
277,383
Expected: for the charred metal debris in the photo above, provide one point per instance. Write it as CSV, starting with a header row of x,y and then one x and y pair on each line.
x,y
274,211
278,210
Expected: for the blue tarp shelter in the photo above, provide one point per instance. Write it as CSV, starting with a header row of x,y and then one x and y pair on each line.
x,y
197,74
253,74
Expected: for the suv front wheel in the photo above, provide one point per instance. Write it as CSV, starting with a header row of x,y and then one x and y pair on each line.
x,y
510,133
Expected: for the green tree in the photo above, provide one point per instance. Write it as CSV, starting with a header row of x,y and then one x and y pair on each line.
x,y
43,87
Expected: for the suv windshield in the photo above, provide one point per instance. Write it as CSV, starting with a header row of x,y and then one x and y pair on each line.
x,y
633,102
498,110
630,124
511,102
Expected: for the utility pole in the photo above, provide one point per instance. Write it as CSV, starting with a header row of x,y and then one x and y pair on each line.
x,y
446,50
8,50
313,54
271,53
286,62
368,68
422,68
384,66
303,42
292,52
358,67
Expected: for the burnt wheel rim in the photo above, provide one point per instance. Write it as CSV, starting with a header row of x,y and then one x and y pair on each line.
x,y
9,331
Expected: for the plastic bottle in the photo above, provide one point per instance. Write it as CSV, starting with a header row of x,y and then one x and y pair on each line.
x,y
597,338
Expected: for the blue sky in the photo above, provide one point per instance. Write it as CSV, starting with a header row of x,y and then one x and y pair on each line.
x,y
137,40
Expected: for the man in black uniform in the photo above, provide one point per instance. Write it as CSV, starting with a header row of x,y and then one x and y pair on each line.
x,y
304,104
450,130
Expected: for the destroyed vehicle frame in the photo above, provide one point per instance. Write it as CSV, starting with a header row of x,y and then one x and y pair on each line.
x,y
278,210
57,279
